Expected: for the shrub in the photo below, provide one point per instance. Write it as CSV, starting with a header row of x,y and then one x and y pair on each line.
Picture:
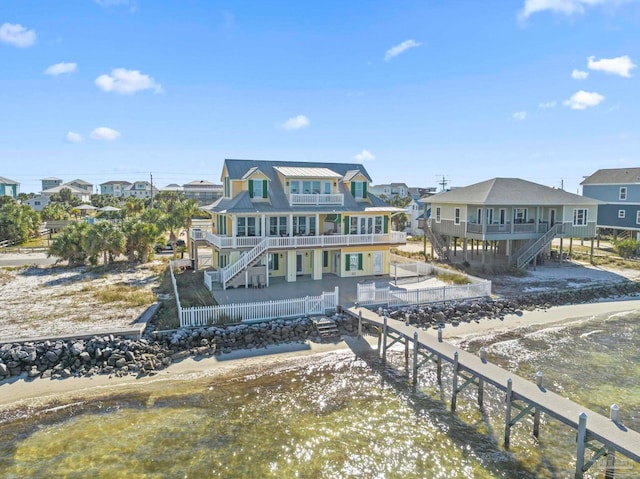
x,y
626,248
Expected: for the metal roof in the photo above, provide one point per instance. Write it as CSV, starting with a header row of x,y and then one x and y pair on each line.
x,y
7,181
510,191
116,182
613,176
237,168
307,172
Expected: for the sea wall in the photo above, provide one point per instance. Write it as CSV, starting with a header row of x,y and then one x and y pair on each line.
x,y
108,354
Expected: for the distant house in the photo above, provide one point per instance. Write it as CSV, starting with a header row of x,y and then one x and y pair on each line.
x,y
81,184
202,191
9,188
37,202
114,188
289,219
140,189
83,195
51,182
519,217
172,188
619,191
390,190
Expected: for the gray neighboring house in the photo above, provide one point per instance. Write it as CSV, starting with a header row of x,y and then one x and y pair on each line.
x,y
50,182
521,218
203,191
619,190
115,188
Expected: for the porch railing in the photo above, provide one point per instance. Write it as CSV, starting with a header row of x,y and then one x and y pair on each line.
x,y
319,241
316,199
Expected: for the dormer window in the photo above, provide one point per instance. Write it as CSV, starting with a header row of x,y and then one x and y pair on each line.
x,y
257,188
359,189
623,193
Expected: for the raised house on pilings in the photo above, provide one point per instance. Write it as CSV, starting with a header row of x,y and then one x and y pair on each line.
x,y
508,220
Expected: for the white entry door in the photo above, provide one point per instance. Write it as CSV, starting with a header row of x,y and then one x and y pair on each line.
x,y
377,263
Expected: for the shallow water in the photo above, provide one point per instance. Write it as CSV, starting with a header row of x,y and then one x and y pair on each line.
x,y
337,416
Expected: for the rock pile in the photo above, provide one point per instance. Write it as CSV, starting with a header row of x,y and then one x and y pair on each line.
x,y
119,356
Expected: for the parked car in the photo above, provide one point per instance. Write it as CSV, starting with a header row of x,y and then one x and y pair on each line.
x,y
163,248
180,243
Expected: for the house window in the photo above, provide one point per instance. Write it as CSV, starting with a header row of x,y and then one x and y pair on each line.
x,y
621,213
520,215
249,226
623,193
227,187
294,187
327,188
278,226
353,225
325,259
479,216
273,262
359,190
489,216
638,217
257,189
438,217
579,217
456,219
378,225
304,225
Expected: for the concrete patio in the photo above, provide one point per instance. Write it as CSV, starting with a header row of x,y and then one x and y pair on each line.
x,y
305,286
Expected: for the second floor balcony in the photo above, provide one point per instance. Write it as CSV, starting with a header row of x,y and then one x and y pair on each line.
x,y
293,242
313,199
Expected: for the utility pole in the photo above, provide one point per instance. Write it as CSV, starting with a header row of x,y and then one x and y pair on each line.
x,y
443,182
151,175
562,183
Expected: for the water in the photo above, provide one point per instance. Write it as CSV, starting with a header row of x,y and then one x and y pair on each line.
x,y
336,416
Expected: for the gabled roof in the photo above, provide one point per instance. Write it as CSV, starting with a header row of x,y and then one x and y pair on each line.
x,y
237,168
81,182
351,174
510,191
115,182
199,183
613,176
59,188
7,181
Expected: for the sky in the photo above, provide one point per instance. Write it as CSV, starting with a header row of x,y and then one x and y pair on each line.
x,y
416,91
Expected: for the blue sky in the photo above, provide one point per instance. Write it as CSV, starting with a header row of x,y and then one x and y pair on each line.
x,y
545,90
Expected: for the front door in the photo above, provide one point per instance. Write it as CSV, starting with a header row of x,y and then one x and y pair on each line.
x,y
377,262
552,218
299,264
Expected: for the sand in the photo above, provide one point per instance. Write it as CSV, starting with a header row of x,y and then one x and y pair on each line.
x,y
19,393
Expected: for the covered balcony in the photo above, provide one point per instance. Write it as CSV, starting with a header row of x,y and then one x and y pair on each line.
x,y
314,199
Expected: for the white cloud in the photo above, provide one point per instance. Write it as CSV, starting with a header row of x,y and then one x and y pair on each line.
x,y
583,99
548,104
60,68
127,82
17,35
398,49
104,133
365,155
73,137
296,123
617,66
520,115
565,7
579,75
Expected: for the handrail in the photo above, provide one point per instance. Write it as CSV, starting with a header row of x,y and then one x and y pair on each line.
x,y
538,244
441,249
245,260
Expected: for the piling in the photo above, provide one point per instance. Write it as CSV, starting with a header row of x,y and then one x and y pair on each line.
x,y
536,413
582,441
415,358
454,393
507,422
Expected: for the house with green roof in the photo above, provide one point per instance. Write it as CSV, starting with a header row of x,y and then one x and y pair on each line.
x,y
511,217
289,219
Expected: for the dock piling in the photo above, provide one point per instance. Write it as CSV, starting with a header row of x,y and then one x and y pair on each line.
x,y
454,393
507,422
483,358
581,440
384,340
536,414
439,334
360,324
415,358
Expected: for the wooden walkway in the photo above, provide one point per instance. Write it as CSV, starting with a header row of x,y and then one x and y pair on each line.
x,y
613,435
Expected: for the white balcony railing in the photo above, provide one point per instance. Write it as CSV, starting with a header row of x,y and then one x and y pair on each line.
x,y
297,199
288,242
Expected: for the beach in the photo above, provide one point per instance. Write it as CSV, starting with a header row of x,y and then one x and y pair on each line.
x,y
17,393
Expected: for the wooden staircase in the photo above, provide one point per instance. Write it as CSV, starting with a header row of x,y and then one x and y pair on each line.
x,y
326,328
231,271
531,249
439,246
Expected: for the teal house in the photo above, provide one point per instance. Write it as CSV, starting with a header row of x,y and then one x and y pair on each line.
x,y
9,188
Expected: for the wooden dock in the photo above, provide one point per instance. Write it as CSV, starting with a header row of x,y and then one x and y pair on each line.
x,y
521,394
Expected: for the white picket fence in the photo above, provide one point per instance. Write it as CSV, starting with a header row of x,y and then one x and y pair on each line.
x,y
263,311
369,294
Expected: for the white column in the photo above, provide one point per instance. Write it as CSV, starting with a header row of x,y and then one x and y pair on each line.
x,y
317,224
290,269
290,225
317,264
263,226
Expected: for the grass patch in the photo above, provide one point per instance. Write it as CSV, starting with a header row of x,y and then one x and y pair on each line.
x,y
192,293
130,296
453,278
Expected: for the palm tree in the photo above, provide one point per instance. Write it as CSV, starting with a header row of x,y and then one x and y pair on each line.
x,y
190,208
140,238
105,238
71,244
